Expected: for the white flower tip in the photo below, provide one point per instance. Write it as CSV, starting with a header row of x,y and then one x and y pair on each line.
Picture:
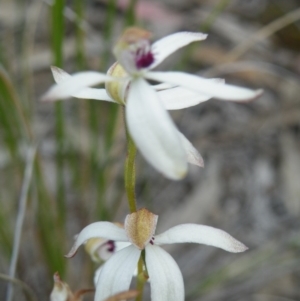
x,y
200,162
255,95
56,70
72,252
59,75
239,247
258,93
198,35
178,174
47,97
204,36
195,158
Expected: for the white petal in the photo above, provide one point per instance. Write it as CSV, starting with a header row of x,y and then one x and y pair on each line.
x,y
164,275
75,83
116,274
93,93
119,245
162,86
202,235
153,131
169,44
61,76
180,98
99,229
205,86
192,155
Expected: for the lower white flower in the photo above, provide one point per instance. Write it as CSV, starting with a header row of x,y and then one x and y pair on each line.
x,y
165,277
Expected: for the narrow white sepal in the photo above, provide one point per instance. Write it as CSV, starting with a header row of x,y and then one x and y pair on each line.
x,y
99,229
192,155
61,76
162,48
74,84
163,86
180,98
119,245
164,275
93,93
200,234
153,131
116,274
205,86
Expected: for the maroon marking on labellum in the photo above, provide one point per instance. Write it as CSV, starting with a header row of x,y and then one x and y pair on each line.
x,y
111,246
152,240
144,60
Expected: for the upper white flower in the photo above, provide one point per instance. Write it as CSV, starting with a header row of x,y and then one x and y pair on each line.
x,y
148,122
164,275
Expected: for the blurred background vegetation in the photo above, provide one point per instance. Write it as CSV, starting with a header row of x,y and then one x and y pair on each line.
x,y
61,164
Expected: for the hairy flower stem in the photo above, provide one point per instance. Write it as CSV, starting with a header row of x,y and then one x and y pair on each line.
x,y
129,174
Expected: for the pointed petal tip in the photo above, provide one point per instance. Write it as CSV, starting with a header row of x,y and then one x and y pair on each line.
x,y
72,252
55,69
258,93
201,163
236,246
47,98
239,248
255,95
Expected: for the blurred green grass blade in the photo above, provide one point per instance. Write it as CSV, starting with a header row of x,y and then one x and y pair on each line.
x,y
5,233
50,234
109,114
130,18
57,50
110,19
12,119
58,31
108,30
80,34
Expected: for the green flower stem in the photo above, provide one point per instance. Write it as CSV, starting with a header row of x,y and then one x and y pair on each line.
x,y
129,170
130,173
141,280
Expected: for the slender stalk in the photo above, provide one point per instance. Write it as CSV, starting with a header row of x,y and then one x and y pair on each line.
x,y
20,218
129,172
140,280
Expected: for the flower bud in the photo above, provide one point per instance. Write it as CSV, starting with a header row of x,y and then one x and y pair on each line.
x,y
61,290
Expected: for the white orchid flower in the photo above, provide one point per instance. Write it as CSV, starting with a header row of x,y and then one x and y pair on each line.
x,y
164,275
149,124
